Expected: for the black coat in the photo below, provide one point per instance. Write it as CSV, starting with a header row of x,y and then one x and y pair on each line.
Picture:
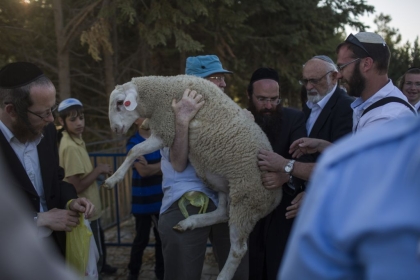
x,y
268,240
335,120
57,192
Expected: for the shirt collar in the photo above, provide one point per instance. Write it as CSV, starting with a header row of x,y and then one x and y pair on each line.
x,y
383,92
321,103
77,140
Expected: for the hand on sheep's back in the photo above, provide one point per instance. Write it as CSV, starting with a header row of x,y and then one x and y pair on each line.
x,y
186,108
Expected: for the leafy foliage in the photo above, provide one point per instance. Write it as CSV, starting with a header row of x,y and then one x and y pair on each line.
x,y
111,41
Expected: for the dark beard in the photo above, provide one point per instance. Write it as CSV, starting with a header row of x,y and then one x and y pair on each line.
x,y
357,83
24,131
270,124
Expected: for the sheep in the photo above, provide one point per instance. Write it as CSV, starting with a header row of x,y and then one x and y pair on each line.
x,y
223,148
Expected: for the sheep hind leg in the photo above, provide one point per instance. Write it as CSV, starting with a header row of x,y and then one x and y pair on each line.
x,y
219,215
238,248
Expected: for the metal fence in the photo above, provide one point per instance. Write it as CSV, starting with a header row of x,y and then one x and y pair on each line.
x,y
116,203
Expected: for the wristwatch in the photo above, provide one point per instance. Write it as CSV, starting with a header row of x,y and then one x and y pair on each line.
x,y
289,167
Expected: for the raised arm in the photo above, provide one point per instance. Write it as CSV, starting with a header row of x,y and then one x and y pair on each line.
x,y
184,110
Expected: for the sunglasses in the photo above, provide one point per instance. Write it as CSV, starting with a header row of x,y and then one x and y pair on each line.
x,y
351,39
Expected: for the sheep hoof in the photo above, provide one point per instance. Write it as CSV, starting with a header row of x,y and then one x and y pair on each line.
x,y
109,183
179,228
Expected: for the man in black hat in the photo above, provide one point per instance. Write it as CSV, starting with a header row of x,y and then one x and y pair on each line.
x,y
28,142
282,126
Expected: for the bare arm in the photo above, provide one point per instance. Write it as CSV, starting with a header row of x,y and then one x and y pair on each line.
x,y
81,184
185,111
272,162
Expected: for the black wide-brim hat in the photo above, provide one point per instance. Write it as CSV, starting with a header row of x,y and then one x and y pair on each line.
x,y
19,74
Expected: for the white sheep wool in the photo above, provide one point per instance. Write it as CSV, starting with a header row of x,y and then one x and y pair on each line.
x,y
223,148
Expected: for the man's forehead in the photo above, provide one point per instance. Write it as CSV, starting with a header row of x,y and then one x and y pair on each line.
x,y
266,86
344,53
314,67
43,95
216,75
413,76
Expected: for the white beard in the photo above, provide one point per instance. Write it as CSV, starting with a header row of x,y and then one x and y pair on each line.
x,y
315,98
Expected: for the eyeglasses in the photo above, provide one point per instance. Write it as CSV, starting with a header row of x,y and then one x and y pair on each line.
x,y
410,84
354,41
216,78
341,67
304,82
273,101
45,115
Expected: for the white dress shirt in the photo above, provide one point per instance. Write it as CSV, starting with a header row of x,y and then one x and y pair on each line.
x,y
316,109
382,114
28,156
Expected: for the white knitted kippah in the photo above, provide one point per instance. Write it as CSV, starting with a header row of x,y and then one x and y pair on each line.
x,y
370,38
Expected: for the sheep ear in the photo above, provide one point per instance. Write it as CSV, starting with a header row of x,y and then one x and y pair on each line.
x,y
130,101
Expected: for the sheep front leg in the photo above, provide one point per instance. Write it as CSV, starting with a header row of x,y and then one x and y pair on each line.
x,y
151,144
219,215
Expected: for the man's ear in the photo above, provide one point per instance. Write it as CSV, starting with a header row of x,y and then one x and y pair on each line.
x,y
247,94
61,121
334,76
367,64
10,110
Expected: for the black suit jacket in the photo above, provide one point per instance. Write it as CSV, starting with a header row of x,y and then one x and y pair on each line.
x,y
57,192
335,120
268,240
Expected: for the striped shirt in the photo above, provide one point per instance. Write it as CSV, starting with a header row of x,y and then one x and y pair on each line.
x,y
146,191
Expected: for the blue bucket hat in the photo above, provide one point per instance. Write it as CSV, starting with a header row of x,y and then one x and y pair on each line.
x,y
66,103
204,66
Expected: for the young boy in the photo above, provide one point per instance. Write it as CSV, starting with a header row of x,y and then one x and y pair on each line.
x,y
78,168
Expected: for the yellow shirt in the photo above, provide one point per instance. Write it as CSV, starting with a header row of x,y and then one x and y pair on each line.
x,y
75,160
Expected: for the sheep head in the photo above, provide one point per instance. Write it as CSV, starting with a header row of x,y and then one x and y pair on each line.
x,y
123,107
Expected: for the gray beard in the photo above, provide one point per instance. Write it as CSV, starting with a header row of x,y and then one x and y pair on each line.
x,y
315,98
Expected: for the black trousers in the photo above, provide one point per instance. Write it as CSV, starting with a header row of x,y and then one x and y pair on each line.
x,y
143,224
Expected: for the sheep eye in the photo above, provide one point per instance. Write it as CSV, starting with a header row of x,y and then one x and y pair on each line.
x,y
120,102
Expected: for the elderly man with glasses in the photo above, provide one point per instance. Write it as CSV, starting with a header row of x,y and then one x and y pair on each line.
x,y
328,111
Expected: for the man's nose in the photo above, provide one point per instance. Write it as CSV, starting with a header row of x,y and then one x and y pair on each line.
x,y
268,105
49,118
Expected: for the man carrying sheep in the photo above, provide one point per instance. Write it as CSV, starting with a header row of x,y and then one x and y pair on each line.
x,y
282,126
184,252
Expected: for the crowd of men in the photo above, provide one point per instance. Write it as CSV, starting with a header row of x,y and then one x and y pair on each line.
x,y
332,159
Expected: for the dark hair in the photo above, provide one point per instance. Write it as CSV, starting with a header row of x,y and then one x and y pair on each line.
x,y
380,54
20,96
72,111
263,73
413,70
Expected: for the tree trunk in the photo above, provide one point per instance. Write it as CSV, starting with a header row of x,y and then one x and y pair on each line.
x,y
109,72
62,52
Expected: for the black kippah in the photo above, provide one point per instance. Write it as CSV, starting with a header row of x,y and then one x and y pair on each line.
x,y
264,73
19,74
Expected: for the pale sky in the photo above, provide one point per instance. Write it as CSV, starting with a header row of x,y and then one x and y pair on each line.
x,y
405,16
